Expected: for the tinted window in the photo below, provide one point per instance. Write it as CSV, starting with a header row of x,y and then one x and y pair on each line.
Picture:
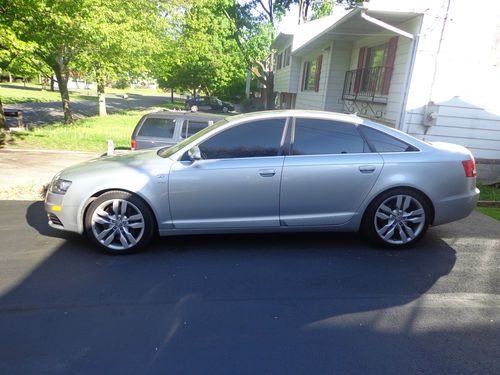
x,y
192,127
157,127
314,136
383,142
253,139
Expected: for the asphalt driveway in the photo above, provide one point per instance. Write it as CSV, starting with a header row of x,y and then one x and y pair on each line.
x,y
239,304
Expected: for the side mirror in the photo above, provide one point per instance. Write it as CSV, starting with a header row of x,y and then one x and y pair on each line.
x,y
194,153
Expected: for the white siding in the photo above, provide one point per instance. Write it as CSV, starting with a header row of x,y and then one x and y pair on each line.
x,y
458,68
340,57
314,99
282,79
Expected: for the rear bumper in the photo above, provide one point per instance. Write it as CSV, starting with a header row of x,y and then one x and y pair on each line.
x,y
455,208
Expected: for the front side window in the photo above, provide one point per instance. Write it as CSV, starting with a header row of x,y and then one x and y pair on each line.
x,y
253,139
317,137
286,56
279,61
311,74
382,142
157,127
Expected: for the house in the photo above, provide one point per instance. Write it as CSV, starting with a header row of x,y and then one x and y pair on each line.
x,y
430,68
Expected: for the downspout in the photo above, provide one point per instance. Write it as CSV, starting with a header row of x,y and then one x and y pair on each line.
x,y
409,66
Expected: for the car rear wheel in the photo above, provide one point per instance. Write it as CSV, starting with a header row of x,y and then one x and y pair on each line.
x,y
225,109
119,222
397,218
194,108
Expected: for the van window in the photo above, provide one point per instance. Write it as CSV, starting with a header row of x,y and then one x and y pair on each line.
x,y
192,127
158,127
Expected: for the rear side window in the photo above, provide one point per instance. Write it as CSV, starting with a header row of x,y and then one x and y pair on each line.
x,y
192,127
252,139
316,137
157,127
382,142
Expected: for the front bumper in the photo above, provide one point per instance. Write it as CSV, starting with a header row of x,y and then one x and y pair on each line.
x,y
60,215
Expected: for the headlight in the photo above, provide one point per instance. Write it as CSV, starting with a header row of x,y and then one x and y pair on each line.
x,y
60,186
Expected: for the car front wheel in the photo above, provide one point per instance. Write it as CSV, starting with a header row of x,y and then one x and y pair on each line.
x,y
119,222
397,218
194,108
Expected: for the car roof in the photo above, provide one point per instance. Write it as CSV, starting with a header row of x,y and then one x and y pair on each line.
x,y
298,113
186,114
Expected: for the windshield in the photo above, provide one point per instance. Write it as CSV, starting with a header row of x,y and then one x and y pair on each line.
x,y
169,151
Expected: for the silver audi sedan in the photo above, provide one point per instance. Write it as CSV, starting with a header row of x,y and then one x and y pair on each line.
x,y
270,171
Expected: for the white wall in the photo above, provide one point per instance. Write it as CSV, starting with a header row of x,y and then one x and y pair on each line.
x,y
341,58
458,68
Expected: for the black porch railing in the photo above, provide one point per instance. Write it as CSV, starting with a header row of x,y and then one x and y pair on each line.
x,y
367,84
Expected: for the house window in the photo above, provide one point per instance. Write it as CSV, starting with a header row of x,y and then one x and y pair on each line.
x,y
311,74
286,58
279,61
371,80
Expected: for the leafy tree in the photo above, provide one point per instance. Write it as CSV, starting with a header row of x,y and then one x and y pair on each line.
x,y
199,52
121,41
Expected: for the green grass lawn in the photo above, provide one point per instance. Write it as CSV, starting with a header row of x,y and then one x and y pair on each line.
x,y
89,134
33,93
489,193
490,211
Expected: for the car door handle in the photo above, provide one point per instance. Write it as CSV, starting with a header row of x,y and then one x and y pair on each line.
x,y
267,172
367,168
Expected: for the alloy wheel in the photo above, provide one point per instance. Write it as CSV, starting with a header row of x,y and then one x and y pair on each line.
x,y
399,219
117,224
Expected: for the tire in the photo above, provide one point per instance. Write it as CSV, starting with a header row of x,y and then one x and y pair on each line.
x,y
397,219
194,108
119,222
225,109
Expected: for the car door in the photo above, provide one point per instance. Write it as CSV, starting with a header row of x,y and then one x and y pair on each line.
x,y
204,104
236,184
328,173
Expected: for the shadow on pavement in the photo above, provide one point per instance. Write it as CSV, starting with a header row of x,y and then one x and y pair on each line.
x,y
235,304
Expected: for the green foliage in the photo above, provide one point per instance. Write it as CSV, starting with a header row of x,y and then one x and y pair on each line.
x,y
200,52
322,8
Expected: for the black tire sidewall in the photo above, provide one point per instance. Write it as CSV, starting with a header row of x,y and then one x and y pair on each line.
x,y
149,221
368,225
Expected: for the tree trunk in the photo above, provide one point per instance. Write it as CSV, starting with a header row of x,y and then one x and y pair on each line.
x,y
51,83
270,94
101,83
171,95
10,78
2,117
62,76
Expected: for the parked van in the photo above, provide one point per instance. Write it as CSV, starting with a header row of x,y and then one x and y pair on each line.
x,y
162,129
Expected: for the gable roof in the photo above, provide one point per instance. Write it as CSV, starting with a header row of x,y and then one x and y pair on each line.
x,y
346,25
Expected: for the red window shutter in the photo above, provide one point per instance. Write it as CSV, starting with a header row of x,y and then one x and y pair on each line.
x,y
389,65
318,72
361,62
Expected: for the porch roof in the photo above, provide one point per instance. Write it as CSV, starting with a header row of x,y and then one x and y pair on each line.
x,y
353,26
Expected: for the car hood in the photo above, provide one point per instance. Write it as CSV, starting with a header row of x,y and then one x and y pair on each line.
x,y
137,161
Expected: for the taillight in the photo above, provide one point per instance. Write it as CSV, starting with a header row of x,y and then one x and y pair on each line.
x,y
133,144
469,168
